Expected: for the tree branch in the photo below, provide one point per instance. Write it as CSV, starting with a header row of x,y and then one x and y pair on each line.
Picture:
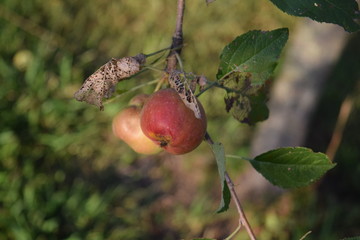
x,y
177,39
242,220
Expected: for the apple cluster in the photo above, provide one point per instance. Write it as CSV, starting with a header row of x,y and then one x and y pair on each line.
x,y
160,121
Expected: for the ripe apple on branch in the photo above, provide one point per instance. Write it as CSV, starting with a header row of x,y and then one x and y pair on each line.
x,y
126,126
167,121
174,120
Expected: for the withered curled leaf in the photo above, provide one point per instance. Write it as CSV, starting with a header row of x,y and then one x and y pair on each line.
x,y
101,84
177,80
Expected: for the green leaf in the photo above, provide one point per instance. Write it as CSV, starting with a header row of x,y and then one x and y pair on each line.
x,y
351,238
259,110
341,12
246,65
255,52
219,152
292,167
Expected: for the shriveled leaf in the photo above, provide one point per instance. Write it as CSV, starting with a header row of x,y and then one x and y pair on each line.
x,y
246,65
178,81
238,105
219,153
342,12
292,167
248,107
101,84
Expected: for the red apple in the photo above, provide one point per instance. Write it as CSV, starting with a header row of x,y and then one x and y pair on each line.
x,y
171,124
126,126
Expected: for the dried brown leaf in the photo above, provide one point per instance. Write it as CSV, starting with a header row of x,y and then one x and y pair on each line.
x,y
178,82
101,84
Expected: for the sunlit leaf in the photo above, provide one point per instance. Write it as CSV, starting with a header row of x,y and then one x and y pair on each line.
x,y
255,52
292,167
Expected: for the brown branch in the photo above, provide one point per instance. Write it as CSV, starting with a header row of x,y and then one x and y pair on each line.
x,y
177,39
345,110
242,220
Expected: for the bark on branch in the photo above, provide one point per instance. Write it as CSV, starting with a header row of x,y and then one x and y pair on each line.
x,y
177,39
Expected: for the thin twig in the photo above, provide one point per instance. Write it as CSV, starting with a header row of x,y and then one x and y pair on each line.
x,y
238,157
181,66
159,51
218,85
306,234
130,90
176,45
177,39
161,82
343,117
233,233
242,221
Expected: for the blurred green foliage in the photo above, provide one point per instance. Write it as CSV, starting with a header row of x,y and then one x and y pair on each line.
x,y
62,173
